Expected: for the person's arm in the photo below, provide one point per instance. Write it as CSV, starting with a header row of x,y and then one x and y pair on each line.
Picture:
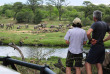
x,y
67,42
92,41
85,38
108,38
108,30
67,37
84,42
89,33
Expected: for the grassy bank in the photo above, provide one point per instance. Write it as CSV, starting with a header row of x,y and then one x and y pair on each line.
x,y
45,39
30,36
41,39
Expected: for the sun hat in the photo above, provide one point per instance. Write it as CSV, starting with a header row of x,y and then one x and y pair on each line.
x,y
76,21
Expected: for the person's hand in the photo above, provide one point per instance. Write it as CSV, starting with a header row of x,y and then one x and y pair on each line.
x,y
84,43
93,41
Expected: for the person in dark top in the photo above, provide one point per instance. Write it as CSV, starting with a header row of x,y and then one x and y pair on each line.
x,y
96,54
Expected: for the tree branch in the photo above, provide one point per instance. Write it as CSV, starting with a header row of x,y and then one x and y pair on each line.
x,y
15,47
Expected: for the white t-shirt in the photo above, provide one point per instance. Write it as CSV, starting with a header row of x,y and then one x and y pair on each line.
x,y
76,36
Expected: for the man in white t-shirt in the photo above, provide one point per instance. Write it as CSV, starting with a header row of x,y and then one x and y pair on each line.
x,y
76,38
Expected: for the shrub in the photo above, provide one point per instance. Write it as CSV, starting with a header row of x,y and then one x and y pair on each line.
x,y
29,16
9,13
24,17
53,17
38,17
86,21
20,17
107,19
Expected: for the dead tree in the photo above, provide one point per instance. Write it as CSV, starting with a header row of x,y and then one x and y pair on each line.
x,y
61,67
15,47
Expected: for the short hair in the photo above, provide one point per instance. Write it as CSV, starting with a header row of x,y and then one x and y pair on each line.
x,y
98,15
77,25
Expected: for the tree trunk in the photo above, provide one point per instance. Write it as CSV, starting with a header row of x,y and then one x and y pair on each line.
x,y
50,14
15,15
15,47
59,17
60,14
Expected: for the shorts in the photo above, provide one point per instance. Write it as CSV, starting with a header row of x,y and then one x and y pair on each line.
x,y
96,54
75,59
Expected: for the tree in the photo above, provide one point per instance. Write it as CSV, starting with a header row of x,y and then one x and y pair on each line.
x,y
50,8
58,4
9,13
20,17
38,17
86,3
6,7
29,15
88,9
69,8
1,8
34,4
107,19
86,21
73,14
17,8
25,15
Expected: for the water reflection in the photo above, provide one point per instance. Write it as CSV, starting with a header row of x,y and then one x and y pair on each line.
x,y
32,52
35,52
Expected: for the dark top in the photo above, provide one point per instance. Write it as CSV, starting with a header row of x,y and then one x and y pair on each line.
x,y
99,30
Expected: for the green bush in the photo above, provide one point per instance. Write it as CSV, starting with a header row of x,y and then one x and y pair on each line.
x,y
20,17
107,19
25,17
28,16
86,21
71,15
38,17
53,17
9,13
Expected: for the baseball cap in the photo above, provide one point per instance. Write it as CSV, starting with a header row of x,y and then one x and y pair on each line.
x,y
77,20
